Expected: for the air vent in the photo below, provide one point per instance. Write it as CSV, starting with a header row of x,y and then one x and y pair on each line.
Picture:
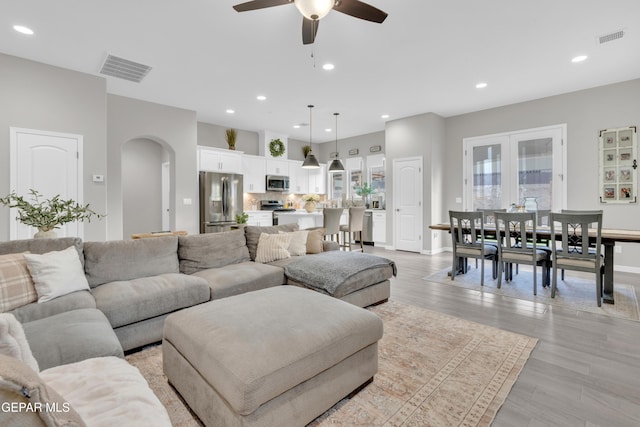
x,y
605,38
124,69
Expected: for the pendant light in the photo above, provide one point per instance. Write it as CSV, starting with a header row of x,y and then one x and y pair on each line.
x,y
336,164
310,162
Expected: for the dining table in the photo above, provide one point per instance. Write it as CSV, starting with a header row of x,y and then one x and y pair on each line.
x,y
609,237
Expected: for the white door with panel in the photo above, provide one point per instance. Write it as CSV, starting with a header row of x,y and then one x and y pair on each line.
x,y
407,204
49,163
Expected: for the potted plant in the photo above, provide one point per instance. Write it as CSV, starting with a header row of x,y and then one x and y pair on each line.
x,y
306,149
48,214
241,220
364,191
311,200
231,135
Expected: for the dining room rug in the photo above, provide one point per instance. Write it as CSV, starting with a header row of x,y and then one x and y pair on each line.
x,y
434,370
576,292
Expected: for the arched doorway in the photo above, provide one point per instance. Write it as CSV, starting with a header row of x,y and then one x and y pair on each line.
x,y
146,187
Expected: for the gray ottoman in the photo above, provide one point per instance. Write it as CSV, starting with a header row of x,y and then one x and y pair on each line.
x,y
274,357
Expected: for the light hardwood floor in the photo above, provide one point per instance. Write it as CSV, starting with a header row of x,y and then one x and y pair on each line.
x,y
585,369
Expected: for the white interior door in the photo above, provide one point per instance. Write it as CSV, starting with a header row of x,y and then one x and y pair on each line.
x,y
407,204
49,163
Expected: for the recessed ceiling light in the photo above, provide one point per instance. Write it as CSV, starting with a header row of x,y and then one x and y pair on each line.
x,y
296,126
261,97
22,29
579,58
328,67
385,116
230,111
481,85
327,130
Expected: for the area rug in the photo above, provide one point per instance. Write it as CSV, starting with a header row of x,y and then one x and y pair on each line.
x,y
577,291
434,370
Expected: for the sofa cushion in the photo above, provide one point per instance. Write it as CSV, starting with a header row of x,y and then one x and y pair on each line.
x,y
315,239
211,250
41,246
21,385
130,301
240,278
70,337
298,245
56,273
108,391
72,301
16,286
252,234
272,247
130,259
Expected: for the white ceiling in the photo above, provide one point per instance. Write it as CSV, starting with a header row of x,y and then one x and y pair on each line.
x,y
426,57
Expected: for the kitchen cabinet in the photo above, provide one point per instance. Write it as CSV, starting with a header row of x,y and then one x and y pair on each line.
x,y
318,179
277,167
379,227
219,160
298,178
254,172
260,218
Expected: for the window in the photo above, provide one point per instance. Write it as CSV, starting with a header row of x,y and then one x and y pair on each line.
x,y
504,169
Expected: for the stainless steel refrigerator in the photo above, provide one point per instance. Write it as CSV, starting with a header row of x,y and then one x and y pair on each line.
x,y
220,201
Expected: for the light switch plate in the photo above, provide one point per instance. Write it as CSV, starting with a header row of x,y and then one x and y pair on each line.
x,y
98,178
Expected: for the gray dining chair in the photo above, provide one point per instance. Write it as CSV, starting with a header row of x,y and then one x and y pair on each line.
x,y
518,246
353,229
331,222
575,251
467,238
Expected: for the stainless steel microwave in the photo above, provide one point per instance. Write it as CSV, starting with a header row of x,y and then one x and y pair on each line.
x,y
277,183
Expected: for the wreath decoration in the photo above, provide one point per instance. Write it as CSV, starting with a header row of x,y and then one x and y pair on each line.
x,y
276,148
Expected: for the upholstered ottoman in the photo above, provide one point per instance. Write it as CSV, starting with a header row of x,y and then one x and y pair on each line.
x,y
274,357
357,278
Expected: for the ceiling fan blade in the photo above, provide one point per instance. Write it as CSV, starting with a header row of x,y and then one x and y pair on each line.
x,y
361,10
259,4
309,30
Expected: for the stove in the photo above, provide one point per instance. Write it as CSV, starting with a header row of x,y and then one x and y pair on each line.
x,y
274,206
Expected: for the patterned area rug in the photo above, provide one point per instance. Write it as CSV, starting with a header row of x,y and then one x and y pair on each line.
x,y
434,370
577,291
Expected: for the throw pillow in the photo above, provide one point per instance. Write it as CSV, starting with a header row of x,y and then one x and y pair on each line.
x,y
298,245
56,273
272,247
314,240
16,285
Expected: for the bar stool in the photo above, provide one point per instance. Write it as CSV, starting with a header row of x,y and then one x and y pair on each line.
x,y
331,222
356,219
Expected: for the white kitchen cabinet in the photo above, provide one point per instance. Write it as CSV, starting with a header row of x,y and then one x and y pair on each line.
x,y
254,170
379,227
260,218
277,167
318,180
219,160
298,178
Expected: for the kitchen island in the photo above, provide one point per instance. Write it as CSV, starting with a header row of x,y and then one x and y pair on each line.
x,y
301,217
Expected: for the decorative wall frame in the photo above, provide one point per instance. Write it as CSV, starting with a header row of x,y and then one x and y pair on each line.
x,y
618,165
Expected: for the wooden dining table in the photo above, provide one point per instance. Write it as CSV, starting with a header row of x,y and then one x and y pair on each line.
x,y
609,237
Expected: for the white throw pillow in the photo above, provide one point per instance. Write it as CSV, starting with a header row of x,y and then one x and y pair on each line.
x,y
298,245
272,247
56,273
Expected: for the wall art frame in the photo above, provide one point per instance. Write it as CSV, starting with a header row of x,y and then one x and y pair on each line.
x,y
618,178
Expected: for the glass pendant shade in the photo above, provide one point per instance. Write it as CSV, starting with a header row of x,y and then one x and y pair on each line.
x,y
310,162
314,9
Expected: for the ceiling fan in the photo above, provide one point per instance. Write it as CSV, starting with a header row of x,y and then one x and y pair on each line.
x,y
314,10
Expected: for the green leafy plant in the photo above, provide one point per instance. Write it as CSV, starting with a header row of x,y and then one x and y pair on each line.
x,y
364,190
243,218
276,148
306,149
231,135
47,214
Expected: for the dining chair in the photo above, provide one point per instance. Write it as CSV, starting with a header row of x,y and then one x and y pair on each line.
x,y
518,246
577,211
575,251
355,225
490,219
331,222
467,238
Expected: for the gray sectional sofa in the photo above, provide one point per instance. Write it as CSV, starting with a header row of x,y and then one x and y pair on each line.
x,y
136,284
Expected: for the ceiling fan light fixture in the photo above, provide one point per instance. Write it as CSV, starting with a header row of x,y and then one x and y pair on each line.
x,y
314,9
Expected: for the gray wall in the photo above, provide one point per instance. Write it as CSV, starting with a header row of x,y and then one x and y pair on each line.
x,y
210,135
176,130
43,97
142,186
585,112
362,142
